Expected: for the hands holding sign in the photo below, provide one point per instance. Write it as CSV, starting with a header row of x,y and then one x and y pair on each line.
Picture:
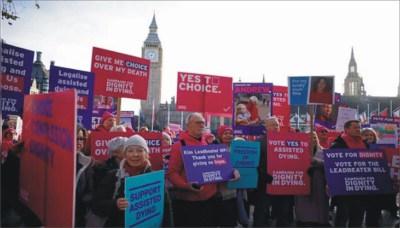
x,y
122,203
236,175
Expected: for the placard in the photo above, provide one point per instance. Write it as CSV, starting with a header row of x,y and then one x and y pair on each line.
x,y
207,164
288,159
357,172
145,194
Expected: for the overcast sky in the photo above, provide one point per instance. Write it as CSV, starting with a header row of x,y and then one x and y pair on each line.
x,y
236,39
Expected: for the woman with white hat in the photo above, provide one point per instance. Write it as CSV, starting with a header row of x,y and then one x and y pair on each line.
x,y
136,162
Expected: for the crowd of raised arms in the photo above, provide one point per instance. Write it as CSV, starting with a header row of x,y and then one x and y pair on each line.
x,y
99,202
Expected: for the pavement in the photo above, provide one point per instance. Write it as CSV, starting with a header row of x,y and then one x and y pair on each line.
x,y
386,220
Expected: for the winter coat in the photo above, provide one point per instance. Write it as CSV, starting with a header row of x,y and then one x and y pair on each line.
x,y
263,176
104,205
177,173
84,188
102,168
317,203
339,143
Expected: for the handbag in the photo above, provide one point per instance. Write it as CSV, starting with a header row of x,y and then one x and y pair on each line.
x,y
93,220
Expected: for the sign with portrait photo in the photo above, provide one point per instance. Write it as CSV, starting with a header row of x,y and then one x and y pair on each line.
x,y
326,114
252,104
322,90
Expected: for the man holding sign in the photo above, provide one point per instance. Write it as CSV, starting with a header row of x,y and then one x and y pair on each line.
x,y
263,201
350,208
194,205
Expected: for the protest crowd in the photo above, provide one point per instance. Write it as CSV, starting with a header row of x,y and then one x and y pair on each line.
x,y
100,198
67,159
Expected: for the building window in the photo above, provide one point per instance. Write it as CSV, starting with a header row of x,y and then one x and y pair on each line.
x,y
353,89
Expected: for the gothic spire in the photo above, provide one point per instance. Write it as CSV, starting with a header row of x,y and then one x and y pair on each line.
x,y
352,63
153,24
152,37
352,53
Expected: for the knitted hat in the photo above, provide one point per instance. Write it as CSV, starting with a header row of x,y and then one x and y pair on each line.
x,y
115,143
136,140
222,129
208,136
105,116
319,128
8,130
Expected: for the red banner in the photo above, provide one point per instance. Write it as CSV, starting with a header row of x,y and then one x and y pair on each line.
x,y
204,93
99,148
281,107
99,140
393,158
120,75
47,178
288,159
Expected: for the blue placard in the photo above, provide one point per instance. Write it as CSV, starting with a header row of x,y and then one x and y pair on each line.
x,y
357,172
298,88
245,154
145,194
245,157
248,179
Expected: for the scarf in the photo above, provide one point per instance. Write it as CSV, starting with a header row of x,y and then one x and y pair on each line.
x,y
353,143
325,145
134,171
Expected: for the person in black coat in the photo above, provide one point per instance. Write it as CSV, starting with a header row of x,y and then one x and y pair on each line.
x,y
84,191
350,209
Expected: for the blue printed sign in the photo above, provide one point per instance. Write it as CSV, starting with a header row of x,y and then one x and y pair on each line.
x,y
63,78
357,172
298,88
145,194
207,164
311,90
16,70
245,157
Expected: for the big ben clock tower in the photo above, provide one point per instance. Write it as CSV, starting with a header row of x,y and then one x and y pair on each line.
x,y
152,50
353,83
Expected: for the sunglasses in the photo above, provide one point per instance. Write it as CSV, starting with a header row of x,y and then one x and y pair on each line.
x,y
81,139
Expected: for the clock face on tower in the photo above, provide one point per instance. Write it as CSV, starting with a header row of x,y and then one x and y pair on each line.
x,y
152,55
